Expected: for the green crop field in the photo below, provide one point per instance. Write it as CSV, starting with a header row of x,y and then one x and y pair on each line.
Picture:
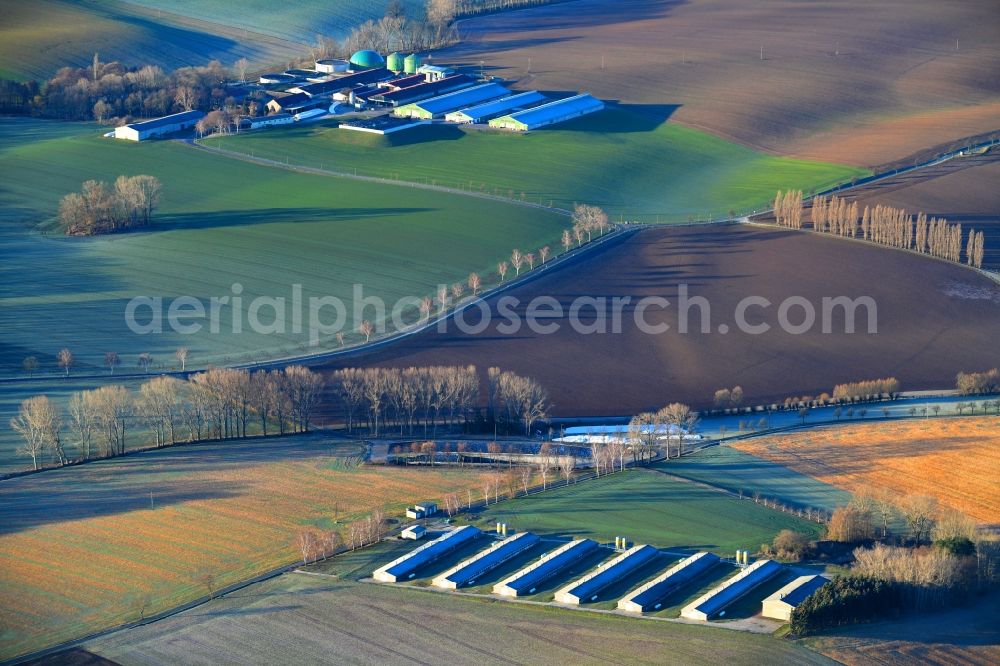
x,y
729,468
647,507
632,163
222,223
39,37
306,619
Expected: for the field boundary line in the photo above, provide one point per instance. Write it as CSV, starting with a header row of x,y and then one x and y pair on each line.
x,y
264,161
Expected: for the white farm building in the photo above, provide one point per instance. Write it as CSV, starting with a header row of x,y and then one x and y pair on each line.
x,y
781,604
149,129
268,121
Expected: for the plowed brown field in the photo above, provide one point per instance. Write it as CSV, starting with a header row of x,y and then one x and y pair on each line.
x,y
934,319
856,82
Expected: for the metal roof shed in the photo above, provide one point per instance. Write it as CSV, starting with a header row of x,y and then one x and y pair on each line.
x,y
781,604
549,114
483,112
436,107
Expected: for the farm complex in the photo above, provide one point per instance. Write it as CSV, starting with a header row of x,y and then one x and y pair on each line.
x,y
526,332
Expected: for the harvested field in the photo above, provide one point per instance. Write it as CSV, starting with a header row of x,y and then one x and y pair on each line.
x,y
956,460
924,335
889,68
81,549
305,619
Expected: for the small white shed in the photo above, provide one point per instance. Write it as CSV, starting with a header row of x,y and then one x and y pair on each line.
x,y
414,532
780,605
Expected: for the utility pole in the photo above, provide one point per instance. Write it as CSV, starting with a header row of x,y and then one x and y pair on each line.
x,y
837,51
602,63
529,65
761,51
150,499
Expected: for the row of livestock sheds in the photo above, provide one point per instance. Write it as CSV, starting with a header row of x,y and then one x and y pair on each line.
x,y
549,114
484,112
406,567
437,107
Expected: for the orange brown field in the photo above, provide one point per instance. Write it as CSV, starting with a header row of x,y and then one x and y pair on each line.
x,y
956,460
890,68
81,549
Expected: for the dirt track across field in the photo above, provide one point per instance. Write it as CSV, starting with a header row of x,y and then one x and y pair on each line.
x,y
933,318
855,82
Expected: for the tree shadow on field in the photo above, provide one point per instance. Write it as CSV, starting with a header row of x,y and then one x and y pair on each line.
x,y
172,36
174,475
241,218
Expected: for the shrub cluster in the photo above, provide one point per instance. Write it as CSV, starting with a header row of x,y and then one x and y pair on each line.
x,y
846,600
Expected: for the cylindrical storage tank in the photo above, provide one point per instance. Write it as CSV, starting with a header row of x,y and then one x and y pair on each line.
x,y
412,63
331,65
395,62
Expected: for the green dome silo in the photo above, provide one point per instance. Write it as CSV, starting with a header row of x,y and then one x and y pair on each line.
x,y
366,60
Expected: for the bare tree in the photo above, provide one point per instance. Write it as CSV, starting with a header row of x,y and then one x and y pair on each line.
x,y
525,473
567,465
182,356
30,365
567,240
502,268
366,329
82,420
39,424
112,360
543,254
681,421
918,511
545,464
517,260
185,98
530,259
145,360
160,403
474,283
306,542
113,407
65,360
241,67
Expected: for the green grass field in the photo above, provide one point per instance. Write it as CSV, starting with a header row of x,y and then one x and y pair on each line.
x,y
631,162
728,468
222,222
647,507
39,37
